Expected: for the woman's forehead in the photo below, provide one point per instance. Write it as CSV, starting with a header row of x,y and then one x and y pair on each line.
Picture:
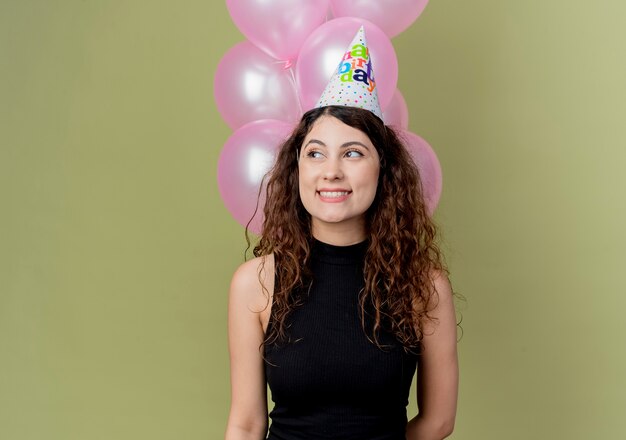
x,y
330,130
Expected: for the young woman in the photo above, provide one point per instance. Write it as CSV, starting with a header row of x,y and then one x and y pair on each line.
x,y
347,297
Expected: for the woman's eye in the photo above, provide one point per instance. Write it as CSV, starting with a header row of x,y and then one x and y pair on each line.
x,y
354,153
314,154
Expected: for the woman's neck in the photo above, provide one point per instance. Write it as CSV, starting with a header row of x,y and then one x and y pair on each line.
x,y
338,234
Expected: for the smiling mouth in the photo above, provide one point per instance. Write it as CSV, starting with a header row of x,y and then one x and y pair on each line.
x,y
333,194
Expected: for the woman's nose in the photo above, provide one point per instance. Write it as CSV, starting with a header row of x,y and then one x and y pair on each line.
x,y
332,169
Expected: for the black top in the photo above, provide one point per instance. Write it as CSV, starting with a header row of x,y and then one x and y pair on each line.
x,y
332,382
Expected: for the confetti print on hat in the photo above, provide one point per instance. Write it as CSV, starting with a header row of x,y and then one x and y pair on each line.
x,y
354,74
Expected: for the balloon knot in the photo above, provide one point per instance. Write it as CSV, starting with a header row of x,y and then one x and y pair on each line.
x,y
288,64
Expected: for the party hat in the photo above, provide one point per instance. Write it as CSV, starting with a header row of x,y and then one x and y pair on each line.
x,y
353,83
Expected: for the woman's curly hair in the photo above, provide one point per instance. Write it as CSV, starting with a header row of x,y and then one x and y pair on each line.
x,y
402,254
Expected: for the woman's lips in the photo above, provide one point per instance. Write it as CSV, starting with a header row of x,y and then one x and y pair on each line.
x,y
333,196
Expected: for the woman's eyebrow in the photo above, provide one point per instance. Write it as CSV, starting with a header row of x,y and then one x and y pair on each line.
x,y
351,143
344,145
315,141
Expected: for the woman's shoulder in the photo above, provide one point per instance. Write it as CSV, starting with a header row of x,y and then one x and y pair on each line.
x,y
440,279
251,269
442,289
254,279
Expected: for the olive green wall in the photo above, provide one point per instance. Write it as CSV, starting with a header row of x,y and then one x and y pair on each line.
x,y
116,250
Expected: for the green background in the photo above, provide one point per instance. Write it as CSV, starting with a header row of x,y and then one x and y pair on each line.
x,y
116,251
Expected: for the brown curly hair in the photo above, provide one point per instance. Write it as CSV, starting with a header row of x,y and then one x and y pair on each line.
x,y
402,254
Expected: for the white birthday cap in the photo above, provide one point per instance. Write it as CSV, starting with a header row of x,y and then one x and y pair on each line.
x,y
353,83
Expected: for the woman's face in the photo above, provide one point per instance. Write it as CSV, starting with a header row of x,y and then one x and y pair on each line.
x,y
338,176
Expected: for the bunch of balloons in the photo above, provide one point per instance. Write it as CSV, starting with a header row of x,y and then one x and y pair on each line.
x,y
263,85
